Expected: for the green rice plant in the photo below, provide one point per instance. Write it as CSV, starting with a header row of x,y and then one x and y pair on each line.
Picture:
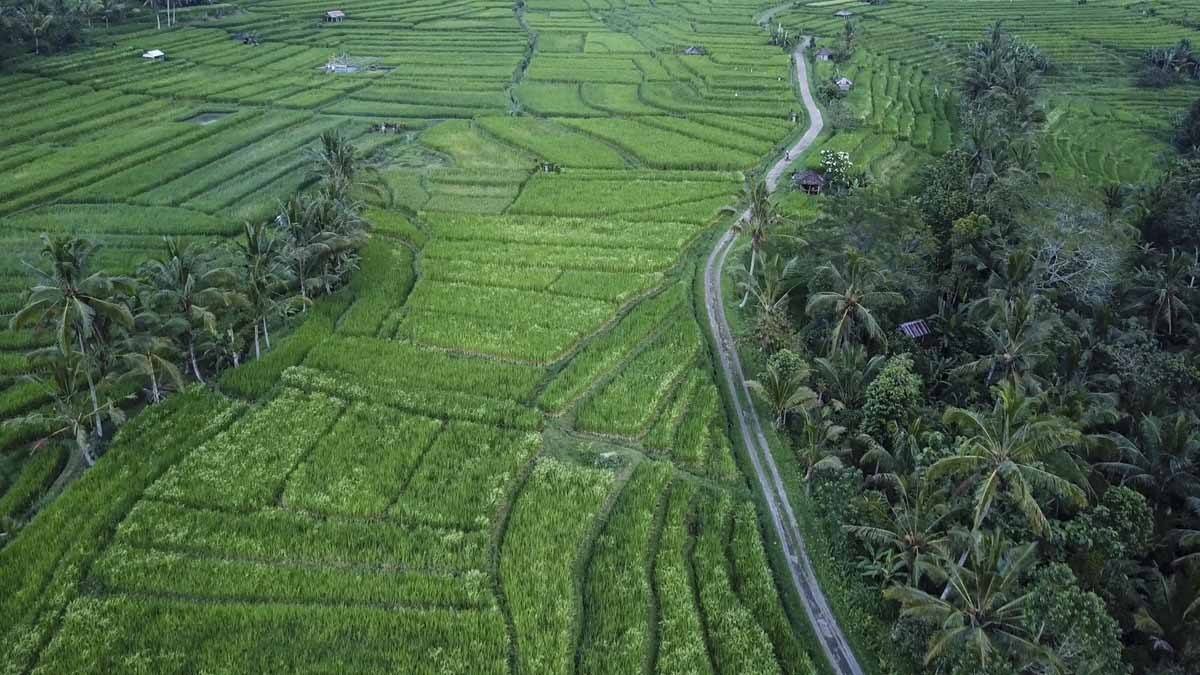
x,y
142,571
44,566
758,593
20,397
392,224
663,149
545,535
604,352
553,142
380,286
488,274
681,631
739,644
607,286
564,195
473,149
37,473
554,98
465,473
627,404
718,137
245,467
617,594
398,393
260,637
362,464
562,231
280,536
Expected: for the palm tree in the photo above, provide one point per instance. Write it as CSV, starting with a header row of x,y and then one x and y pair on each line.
x,y
339,167
263,276
850,302
1162,460
1170,613
914,527
756,220
151,359
985,614
819,447
1008,453
1168,291
775,281
784,392
1015,336
187,285
845,374
79,305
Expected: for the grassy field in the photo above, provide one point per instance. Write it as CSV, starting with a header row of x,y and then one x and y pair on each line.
x,y
503,448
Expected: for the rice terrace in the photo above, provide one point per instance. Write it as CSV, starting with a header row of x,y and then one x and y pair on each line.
x,y
842,337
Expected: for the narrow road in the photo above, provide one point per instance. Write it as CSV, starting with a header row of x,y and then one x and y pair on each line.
x,y
820,616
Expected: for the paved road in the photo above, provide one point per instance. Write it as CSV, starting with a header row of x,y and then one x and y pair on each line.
x,y
820,616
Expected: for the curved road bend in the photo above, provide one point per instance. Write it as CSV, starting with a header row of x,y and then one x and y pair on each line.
x,y
820,616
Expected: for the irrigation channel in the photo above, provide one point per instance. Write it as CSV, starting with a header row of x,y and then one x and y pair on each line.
x,y
820,616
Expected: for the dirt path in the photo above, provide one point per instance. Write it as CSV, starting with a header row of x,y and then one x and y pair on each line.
x,y
820,616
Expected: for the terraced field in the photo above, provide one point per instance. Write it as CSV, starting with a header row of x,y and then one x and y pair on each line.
x,y
503,449
1100,128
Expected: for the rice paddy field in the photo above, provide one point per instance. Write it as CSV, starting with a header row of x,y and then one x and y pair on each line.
x,y
503,449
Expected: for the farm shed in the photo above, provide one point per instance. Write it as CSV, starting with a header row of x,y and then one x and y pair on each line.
x,y
695,50
155,55
334,16
843,14
824,54
844,83
810,181
915,329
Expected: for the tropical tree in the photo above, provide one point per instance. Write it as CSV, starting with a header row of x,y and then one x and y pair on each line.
x,y
1010,453
785,392
819,446
756,218
1168,291
187,286
150,360
80,306
1161,460
1169,615
850,302
845,374
915,527
1015,336
264,275
983,618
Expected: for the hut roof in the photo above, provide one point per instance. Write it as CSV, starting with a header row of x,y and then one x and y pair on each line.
x,y
695,50
153,54
844,82
915,329
335,14
843,14
824,51
808,177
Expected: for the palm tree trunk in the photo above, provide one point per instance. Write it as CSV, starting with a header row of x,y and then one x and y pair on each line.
x,y
92,392
753,251
192,358
257,350
266,333
154,385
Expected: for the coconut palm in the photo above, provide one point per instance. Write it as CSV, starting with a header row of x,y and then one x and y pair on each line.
x,y
1009,453
845,374
819,445
1161,460
756,218
773,284
1170,612
264,275
1169,291
784,392
1015,336
187,286
984,616
81,307
851,301
150,360
915,528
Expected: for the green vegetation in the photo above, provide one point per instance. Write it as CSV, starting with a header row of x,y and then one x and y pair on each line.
x,y
417,382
